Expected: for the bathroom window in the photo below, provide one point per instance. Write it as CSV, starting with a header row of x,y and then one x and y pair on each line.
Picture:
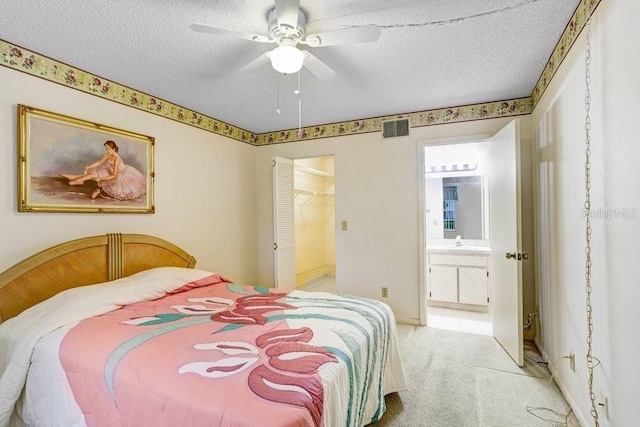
x,y
449,215
450,196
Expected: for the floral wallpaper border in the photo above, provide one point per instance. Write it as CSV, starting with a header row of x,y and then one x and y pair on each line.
x,y
29,62
465,113
578,21
32,63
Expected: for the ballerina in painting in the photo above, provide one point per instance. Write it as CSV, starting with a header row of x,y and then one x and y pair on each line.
x,y
114,178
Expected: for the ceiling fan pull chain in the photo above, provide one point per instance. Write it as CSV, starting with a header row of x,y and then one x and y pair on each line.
x,y
299,109
300,118
278,93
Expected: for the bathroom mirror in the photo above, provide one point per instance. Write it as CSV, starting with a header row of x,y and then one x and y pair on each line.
x,y
457,206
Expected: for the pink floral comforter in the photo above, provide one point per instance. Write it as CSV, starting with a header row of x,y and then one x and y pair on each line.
x,y
213,353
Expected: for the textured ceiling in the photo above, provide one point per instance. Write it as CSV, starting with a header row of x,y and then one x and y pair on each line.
x,y
431,53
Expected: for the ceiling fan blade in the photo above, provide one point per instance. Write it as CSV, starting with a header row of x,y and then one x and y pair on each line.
x,y
204,28
317,67
257,63
364,34
287,12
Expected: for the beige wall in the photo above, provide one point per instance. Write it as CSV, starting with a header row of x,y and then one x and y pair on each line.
x,y
559,121
214,198
377,184
204,186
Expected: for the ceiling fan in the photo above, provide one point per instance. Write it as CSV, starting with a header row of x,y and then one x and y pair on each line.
x,y
286,28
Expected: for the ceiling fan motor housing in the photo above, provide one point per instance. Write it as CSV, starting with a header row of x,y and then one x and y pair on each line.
x,y
284,32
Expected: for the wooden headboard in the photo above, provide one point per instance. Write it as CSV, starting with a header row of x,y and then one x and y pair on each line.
x,y
81,262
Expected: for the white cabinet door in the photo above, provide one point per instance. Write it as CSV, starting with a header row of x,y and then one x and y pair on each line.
x,y
473,284
443,283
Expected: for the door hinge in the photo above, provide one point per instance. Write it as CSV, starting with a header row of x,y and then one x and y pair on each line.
x,y
487,300
275,246
487,273
274,163
429,269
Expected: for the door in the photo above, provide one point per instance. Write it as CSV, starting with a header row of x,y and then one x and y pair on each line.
x,y
506,240
283,217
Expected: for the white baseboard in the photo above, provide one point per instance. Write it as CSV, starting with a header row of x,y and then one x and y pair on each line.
x,y
574,406
408,321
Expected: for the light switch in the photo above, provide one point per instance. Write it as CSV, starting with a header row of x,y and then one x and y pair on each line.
x,y
344,225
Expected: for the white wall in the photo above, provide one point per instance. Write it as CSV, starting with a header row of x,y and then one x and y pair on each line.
x,y
434,227
204,186
558,121
376,184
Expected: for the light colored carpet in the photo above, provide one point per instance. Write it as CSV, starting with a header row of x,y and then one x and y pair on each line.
x,y
459,379
509,399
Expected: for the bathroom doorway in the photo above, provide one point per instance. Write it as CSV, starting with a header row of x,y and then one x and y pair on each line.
x,y
457,245
481,273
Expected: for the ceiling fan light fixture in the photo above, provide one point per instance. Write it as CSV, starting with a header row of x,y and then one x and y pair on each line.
x,y
287,59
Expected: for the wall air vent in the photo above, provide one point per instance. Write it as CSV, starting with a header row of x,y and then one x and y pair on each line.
x,y
395,128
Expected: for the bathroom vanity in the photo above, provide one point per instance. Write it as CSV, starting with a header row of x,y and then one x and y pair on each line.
x,y
459,277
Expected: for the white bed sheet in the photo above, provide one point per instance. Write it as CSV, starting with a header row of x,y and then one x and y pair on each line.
x,y
47,390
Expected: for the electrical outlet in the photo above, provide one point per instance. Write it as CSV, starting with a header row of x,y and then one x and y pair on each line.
x,y
344,225
605,405
385,292
572,361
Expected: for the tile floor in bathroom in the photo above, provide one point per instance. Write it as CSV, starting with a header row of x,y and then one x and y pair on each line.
x,y
459,320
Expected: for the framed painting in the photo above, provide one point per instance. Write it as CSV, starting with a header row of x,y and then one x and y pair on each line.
x,y
71,165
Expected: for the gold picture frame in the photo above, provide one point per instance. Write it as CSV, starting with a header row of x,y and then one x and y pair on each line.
x,y
67,164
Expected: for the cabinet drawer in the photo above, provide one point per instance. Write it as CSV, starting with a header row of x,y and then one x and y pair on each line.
x,y
447,259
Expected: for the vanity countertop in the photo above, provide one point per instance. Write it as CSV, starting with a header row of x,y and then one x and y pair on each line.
x,y
459,249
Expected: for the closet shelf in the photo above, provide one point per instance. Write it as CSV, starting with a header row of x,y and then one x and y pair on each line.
x,y
297,191
312,171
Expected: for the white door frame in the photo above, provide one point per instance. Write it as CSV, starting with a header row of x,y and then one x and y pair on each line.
x,y
421,145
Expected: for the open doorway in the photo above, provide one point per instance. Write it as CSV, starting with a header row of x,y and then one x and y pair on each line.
x,y
483,272
457,246
314,223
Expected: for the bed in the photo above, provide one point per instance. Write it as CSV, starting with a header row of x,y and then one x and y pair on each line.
x,y
122,329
